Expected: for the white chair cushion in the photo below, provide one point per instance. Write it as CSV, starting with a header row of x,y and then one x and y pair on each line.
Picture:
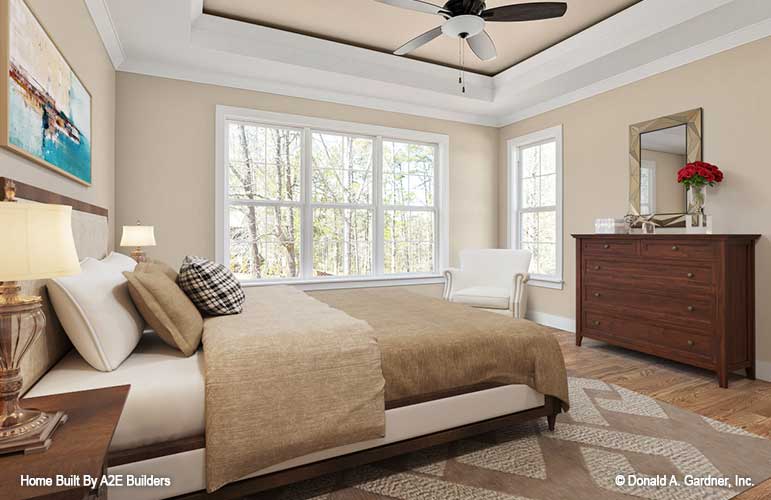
x,y
166,400
483,296
96,311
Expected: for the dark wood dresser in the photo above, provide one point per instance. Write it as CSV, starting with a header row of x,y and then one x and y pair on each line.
x,y
688,298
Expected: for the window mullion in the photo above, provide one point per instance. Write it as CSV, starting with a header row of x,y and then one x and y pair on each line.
x,y
438,257
378,239
411,208
306,243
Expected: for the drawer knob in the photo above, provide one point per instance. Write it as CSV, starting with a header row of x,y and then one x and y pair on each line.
x,y
690,275
605,246
690,308
597,294
596,268
596,322
674,247
690,343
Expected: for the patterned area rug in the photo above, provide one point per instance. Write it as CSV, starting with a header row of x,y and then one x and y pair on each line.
x,y
658,451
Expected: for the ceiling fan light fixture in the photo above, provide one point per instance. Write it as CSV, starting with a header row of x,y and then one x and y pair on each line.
x,y
463,26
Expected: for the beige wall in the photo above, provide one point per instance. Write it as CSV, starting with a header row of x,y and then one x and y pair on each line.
x,y
732,87
70,26
670,196
165,160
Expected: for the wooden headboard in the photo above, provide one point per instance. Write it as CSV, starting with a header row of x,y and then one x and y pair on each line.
x,y
90,230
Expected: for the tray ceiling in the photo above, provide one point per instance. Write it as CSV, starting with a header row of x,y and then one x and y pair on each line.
x,y
175,39
366,23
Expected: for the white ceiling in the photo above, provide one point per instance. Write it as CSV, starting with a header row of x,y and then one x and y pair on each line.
x,y
174,39
367,23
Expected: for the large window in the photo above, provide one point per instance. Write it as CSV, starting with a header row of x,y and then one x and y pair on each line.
x,y
308,199
535,203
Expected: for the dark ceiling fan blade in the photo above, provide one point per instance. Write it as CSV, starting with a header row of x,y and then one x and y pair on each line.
x,y
417,5
482,45
418,41
526,11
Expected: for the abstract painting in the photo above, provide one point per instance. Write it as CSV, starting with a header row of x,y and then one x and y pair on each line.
x,y
46,110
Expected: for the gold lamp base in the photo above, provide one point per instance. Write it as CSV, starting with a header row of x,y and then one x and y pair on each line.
x,y
138,255
33,433
21,322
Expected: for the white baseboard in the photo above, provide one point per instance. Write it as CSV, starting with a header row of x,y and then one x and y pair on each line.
x,y
763,370
552,320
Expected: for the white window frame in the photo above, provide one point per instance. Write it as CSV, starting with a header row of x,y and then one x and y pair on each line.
x,y
226,114
649,165
513,147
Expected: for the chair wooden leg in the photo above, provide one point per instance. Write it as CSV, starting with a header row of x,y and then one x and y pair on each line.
x,y
552,420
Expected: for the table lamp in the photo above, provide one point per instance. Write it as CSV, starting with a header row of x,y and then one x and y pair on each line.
x,y
138,236
37,244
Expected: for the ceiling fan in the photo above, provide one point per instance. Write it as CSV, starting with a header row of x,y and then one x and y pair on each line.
x,y
465,19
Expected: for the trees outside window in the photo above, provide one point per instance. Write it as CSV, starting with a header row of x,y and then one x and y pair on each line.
x,y
535,200
264,176
304,203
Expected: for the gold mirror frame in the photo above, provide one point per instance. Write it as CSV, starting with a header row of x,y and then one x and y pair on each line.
x,y
692,119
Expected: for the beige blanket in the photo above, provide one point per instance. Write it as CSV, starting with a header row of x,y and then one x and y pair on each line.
x,y
430,346
291,375
287,377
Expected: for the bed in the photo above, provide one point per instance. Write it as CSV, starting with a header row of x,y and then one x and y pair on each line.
x,y
440,380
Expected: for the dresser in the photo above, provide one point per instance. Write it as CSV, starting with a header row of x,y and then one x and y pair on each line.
x,y
688,298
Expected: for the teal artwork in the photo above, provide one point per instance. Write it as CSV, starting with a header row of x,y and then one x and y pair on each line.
x,y
49,109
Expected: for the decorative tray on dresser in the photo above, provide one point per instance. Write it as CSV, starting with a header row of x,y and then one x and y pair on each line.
x,y
685,297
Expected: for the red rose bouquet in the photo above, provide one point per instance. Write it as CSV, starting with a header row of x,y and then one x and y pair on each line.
x,y
699,173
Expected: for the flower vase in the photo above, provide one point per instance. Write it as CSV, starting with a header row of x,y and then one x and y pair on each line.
x,y
697,197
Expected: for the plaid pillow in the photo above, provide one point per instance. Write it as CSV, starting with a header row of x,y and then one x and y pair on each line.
x,y
211,286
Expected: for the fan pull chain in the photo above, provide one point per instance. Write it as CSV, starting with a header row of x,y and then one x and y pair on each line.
x,y
461,59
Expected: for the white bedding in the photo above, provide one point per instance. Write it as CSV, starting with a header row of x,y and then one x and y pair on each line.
x,y
166,400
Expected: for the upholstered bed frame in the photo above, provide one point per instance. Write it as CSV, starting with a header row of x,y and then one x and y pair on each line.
x,y
91,230
411,427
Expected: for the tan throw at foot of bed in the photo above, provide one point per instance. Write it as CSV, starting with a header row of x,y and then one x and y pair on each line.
x,y
288,376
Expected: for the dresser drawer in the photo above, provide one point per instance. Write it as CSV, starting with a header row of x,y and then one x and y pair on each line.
x,y
610,247
693,309
648,334
642,272
675,249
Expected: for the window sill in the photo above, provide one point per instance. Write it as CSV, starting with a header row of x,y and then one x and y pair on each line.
x,y
541,283
343,283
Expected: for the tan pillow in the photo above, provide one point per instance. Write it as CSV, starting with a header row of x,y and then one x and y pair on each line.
x,y
156,265
166,309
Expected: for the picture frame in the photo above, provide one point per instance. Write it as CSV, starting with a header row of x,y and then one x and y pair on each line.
x,y
45,109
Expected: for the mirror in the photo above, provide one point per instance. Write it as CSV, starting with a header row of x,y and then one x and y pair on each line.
x,y
657,150
662,154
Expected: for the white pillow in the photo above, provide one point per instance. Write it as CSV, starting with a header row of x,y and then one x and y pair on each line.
x,y
96,311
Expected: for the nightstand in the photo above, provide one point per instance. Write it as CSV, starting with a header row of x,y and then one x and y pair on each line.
x,y
79,446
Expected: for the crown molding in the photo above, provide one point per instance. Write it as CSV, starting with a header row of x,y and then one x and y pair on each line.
x,y
213,33
196,10
174,39
100,14
163,69
710,47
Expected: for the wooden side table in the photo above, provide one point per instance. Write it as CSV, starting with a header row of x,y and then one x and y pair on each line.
x,y
79,447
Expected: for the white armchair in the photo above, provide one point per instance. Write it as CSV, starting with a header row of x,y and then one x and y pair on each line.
x,y
490,279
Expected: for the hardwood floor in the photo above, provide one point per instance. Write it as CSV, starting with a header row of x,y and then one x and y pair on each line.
x,y
745,403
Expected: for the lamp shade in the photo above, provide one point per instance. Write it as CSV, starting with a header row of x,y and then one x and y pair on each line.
x,y
37,241
138,236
